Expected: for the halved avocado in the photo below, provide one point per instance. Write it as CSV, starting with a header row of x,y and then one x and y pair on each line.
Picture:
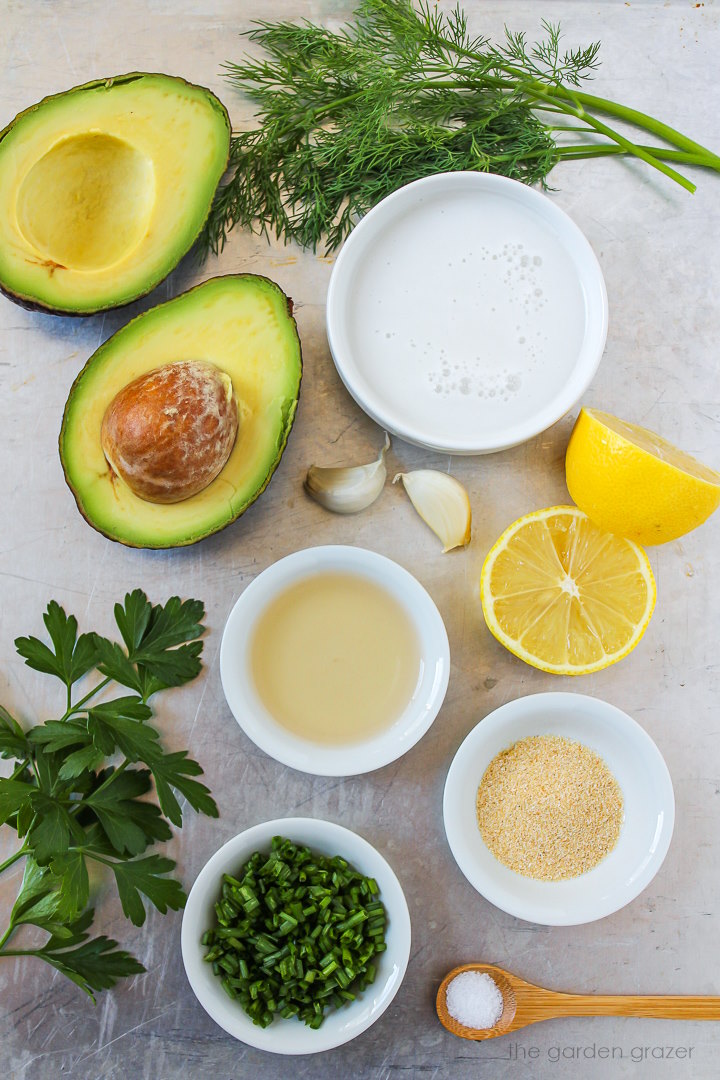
x,y
241,323
104,188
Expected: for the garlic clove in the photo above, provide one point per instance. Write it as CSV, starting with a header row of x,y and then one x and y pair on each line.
x,y
348,490
443,504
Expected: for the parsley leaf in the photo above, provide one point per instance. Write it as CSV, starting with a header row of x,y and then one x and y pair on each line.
x,y
146,876
86,759
154,650
161,642
72,800
132,618
118,725
58,735
172,771
41,900
92,965
13,743
71,870
73,656
47,765
130,825
178,621
114,664
169,667
54,828
13,793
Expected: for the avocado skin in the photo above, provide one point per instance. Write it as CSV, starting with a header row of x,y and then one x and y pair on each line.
x,y
281,449
132,76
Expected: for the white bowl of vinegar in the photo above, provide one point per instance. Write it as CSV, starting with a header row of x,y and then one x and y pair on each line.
x,y
335,661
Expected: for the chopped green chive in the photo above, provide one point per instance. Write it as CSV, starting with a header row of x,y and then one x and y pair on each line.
x,y
296,934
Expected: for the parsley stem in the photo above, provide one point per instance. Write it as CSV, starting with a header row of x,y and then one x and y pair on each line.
x,y
96,857
71,709
80,805
20,768
13,859
37,774
10,930
110,777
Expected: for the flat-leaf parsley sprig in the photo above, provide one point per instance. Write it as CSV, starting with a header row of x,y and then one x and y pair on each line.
x,y
78,790
405,91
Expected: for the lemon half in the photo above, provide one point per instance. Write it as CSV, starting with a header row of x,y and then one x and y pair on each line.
x,y
635,483
564,595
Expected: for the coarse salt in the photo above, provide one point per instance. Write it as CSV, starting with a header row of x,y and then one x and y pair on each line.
x,y
474,1000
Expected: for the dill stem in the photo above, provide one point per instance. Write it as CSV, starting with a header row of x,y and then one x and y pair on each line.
x,y
643,120
628,146
590,150
604,105
562,100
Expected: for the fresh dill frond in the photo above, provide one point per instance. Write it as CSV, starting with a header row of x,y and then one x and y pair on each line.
x,y
405,91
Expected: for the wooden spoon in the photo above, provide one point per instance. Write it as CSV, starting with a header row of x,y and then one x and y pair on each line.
x,y
524,1003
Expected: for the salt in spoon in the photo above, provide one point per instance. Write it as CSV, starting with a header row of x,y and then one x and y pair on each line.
x,y
524,1003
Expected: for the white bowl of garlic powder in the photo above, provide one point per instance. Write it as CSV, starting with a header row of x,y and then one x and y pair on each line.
x,y
648,808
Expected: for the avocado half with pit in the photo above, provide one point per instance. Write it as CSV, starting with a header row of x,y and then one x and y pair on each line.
x,y
177,423
104,188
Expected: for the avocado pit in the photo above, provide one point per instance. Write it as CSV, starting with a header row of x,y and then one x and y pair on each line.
x,y
170,432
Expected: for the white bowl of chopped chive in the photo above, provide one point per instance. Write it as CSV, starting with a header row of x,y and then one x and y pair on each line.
x,y
550,766
296,944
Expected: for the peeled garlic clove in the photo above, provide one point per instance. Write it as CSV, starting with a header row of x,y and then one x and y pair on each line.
x,y
443,504
348,490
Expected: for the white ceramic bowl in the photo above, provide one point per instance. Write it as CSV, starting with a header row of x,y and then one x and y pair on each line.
x,y
291,1036
282,744
649,807
466,313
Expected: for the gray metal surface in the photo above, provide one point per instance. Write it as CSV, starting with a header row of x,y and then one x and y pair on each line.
x,y
658,248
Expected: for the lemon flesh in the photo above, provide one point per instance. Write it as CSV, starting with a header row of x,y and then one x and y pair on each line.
x,y
632,482
565,596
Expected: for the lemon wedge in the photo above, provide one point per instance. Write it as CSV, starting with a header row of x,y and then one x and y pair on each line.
x,y
635,483
564,595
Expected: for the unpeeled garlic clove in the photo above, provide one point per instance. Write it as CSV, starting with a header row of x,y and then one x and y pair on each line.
x,y
443,504
351,489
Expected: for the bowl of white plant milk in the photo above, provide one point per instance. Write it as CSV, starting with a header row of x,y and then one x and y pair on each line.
x,y
466,313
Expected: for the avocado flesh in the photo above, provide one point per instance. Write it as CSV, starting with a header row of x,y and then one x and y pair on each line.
x,y
242,324
104,188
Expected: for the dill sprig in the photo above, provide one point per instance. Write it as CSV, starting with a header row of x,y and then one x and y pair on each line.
x,y
346,117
